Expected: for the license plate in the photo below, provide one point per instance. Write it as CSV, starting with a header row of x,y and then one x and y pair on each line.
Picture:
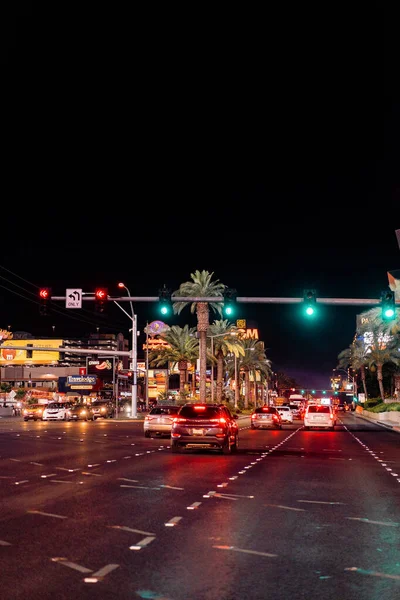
x,y
197,432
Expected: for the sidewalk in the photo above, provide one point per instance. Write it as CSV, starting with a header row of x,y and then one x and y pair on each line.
x,y
374,418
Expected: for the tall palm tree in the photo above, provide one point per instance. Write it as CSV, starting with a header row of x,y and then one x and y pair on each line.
x,y
182,350
355,357
253,362
379,353
225,341
201,286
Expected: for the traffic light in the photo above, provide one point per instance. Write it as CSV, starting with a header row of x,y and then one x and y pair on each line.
x,y
100,297
45,301
388,305
310,301
230,295
130,377
164,296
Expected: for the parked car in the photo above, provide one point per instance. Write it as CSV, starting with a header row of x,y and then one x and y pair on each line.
x,y
56,411
266,416
317,416
286,414
33,411
102,409
81,412
205,426
159,420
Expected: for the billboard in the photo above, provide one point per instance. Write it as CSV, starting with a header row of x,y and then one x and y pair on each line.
x,y
17,356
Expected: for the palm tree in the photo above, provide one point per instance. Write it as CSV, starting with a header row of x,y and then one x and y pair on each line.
x,y
225,342
379,353
254,361
354,357
182,349
201,286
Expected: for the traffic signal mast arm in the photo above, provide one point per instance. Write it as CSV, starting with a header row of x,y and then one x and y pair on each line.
x,y
239,299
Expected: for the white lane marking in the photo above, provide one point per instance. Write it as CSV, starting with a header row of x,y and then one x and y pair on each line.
x,y
60,481
286,507
65,469
171,487
245,551
373,522
319,502
23,481
93,474
36,463
140,487
3,543
209,494
15,459
72,565
39,512
374,573
49,475
125,457
105,570
125,479
144,542
221,495
124,528
7,476
91,466
172,522
193,506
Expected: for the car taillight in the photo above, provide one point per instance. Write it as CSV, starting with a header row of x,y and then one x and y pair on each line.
x,y
331,416
25,412
179,420
275,417
222,420
253,416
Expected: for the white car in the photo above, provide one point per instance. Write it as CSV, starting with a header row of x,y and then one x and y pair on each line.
x,y
57,411
317,415
286,413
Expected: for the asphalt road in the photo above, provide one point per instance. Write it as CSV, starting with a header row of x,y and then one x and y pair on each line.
x,y
96,510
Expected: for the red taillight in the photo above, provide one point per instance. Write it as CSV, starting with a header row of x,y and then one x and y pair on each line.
x,y
253,416
179,420
222,420
332,417
275,417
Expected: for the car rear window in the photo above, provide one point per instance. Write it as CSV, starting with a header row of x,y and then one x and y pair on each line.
x,y
200,412
164,410
266,409
319,409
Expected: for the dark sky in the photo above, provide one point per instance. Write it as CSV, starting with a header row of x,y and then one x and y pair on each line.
x,y
260,147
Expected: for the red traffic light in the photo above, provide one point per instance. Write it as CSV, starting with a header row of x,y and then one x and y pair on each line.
x,y
101,294
45,293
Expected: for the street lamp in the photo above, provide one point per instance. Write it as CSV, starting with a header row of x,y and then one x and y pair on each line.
x,y
212,353
133,365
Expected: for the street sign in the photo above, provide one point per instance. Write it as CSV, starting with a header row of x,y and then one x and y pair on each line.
x,y
73,298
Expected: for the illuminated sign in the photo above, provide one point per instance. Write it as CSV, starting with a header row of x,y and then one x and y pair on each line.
x,y
20,357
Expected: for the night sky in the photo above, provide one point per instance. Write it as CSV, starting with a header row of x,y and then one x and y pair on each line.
x,y
260,149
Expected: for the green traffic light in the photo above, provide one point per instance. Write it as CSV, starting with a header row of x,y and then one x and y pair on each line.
x,y
164,310
309,310
389,313
228,310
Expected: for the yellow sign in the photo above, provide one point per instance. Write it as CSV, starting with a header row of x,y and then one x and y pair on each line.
x,y
20,357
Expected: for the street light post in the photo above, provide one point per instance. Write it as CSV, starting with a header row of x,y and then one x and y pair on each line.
x,y
133,365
